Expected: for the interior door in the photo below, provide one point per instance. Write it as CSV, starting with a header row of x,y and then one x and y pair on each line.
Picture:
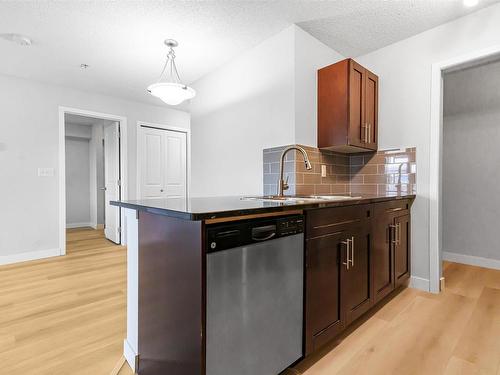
x,y
356,274
163,163
371,108
112,181
152,163
356,105
175,159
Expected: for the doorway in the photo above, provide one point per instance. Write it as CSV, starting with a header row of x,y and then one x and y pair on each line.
x,y
436,225
93,173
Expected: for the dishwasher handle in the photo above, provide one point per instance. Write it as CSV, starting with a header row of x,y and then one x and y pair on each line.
x,y
263,233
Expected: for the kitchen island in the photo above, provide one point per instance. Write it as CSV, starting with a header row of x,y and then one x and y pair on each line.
x,y
167,269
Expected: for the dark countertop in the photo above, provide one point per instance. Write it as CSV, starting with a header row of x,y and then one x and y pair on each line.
x,y
220,207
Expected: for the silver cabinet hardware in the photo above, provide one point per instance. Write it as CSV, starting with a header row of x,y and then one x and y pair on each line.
x,y
369,139
398,231
352,251
347,242
103,188
393,238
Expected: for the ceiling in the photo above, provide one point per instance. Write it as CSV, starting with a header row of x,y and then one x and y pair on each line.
x,y
122,41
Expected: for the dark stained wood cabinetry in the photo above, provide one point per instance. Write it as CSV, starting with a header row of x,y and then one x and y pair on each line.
x,y
347,108
323,314
356,283
338,271
402,249
355,256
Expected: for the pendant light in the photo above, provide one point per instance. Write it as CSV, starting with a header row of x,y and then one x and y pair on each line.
x,y
169,87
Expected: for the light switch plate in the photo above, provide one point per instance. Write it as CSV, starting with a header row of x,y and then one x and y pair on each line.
x,y
323,170
45,172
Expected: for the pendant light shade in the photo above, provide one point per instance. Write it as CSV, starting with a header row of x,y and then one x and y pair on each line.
x,y
169,87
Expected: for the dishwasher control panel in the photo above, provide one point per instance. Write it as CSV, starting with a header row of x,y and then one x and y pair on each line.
x,y
293,225
229,235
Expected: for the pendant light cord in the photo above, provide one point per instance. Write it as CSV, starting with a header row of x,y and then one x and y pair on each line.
x,y
174,74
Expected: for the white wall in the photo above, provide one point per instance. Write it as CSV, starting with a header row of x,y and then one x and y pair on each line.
x,y
260,99
404,69
310,55
77,182
471,135
29,140
471,203
97,173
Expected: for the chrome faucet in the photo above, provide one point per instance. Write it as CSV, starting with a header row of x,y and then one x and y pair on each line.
x,y
282,184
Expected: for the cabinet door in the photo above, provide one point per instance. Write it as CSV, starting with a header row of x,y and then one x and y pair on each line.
x,y
382,254
371,109
356,105
402,249
323,312
356,275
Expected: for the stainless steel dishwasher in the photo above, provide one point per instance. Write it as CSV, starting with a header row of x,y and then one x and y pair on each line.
x,y
254,296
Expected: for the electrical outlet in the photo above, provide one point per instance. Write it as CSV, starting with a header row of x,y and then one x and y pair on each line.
x,y
323,170
45,172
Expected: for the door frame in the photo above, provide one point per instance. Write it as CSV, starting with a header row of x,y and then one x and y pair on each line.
x,y
139,151
436,152
62,167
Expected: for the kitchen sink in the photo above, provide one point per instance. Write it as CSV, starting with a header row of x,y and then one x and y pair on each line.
x,y
304,198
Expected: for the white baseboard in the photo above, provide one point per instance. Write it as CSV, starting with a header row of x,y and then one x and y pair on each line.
x,y
77,225
29,255
419,283
471,260
129,354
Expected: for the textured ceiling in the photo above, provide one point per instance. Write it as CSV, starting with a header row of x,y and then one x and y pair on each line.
x,y
122,41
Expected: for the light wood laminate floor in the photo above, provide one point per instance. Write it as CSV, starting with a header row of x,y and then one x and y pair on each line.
x,y
66,316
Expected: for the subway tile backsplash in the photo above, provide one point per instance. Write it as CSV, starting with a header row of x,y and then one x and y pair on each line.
x,y
382,172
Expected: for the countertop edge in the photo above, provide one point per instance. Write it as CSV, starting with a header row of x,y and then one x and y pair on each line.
x,y
193,216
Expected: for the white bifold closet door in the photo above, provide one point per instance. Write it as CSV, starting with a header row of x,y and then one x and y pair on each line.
x,y
163,163
112,181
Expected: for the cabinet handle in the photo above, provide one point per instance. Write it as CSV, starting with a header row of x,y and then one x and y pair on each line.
x,y
393,239
347,242
398,231
352,251
366,133
369,133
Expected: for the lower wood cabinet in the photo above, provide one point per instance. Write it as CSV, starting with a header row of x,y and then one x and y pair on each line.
x,y
355,256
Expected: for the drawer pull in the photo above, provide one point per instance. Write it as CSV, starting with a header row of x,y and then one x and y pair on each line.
x,y
335,224
395,209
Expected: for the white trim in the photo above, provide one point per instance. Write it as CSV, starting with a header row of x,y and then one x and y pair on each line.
x,y
130,355
419,283
435,152
78,225
472,260
62,174
29,255
139,152
132,342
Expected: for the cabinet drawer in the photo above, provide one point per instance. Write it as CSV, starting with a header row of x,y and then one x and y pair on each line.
x,y
325,221
397,207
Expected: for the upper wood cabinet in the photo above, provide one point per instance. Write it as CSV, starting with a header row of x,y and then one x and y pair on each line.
x,y
347,108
